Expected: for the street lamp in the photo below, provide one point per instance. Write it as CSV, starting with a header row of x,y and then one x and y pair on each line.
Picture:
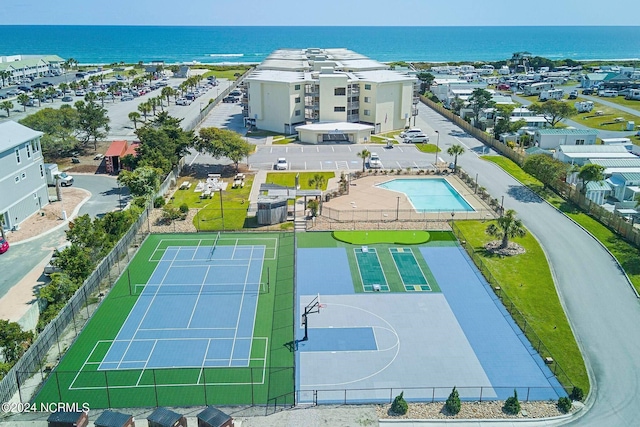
x,y
221,208
452,215
437,149
397,207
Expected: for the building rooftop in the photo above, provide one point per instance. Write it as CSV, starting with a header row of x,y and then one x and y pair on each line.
x,y
598,185
13,134
594,150
628,176
554,131
617,163
280,76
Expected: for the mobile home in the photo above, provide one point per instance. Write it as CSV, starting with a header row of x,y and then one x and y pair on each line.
x,y
537,88
633,94
556,94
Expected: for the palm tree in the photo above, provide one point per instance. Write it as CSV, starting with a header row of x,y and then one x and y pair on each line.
x,y
38,94
63,87
50,92
102,95
507,227
134,116
145,109
5,75
91,97
166,92
160,100
6,106
23,99
364,155
455,150
317,181
132,73
153,103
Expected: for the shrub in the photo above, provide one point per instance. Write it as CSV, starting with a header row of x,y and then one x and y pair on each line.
x,y
170,214
158,202
564,404
512,404
399,405
452,405
184,208
577,394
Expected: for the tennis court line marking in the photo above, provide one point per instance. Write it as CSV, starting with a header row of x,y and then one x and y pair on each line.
x,y
398,267
146,363
145,312
204,359
255,311
263,359
184,329
196,251
237,241
195,305
85,362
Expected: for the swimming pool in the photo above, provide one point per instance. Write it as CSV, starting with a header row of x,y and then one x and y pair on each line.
x,y
429,194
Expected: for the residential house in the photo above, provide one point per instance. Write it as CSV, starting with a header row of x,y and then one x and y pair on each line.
x,y
581,154
625,185
23,184
550,139
597,191
30,66
183,72
592,80
630,165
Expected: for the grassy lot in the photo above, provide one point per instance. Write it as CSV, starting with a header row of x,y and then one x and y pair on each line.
x,y
606,121
626,102
278,138
399,237
382,138
225,72
627,255
288,179
527,281
209,217
427,148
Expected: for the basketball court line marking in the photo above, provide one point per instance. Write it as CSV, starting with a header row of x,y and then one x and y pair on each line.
x,y
261,382
417,263
397,345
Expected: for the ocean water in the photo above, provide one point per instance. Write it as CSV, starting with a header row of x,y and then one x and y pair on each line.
x,y
107,44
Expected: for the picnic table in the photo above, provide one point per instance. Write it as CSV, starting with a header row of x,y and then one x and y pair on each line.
x,y
185,185
206,194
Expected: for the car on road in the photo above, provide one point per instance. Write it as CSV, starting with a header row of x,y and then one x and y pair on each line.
x,y
281,164
416,138
573,94
409,132
4,245
24,88
13,92
374,161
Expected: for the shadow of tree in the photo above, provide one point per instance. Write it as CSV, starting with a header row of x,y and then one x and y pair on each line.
x,y
523,194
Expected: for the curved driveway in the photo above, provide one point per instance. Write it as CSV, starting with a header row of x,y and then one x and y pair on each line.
x,y
599,302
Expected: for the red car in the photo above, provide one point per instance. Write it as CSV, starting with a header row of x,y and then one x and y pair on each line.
x,y
4,245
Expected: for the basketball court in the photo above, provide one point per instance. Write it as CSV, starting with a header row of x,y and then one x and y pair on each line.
x,y
372,344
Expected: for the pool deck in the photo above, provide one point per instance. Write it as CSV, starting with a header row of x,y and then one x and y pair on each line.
x,y
365,196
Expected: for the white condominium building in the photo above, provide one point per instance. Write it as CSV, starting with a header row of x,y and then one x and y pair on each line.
x,y
295,87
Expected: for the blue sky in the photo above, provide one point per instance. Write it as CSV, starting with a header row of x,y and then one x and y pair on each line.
x,y
321,12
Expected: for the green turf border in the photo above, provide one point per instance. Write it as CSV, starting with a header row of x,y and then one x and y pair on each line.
x,y
396,237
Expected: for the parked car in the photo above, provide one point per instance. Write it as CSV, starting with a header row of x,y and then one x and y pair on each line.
x,y
608,93
409,132
126,98
50,268
230,99
281,164
374,161
416,138
80,92
4,245
573,94
235,93
183,101
67,99
503,86
13,92
587,91
24,88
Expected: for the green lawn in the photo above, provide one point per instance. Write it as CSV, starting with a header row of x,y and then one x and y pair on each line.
x,y
382,138
527,281
77,379
222,72
627,255
428,148
631,103
235,202
399,237
288,179
606,121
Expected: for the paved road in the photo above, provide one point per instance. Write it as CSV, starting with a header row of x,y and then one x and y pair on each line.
x,y
23,257
600,304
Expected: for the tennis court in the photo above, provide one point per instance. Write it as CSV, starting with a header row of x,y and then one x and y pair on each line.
x,y
190,322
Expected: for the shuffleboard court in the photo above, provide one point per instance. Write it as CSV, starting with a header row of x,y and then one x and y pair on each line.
x,y
410,272
371,272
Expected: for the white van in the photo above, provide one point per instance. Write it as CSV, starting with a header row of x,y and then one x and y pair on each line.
x,y
608,93
410,132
